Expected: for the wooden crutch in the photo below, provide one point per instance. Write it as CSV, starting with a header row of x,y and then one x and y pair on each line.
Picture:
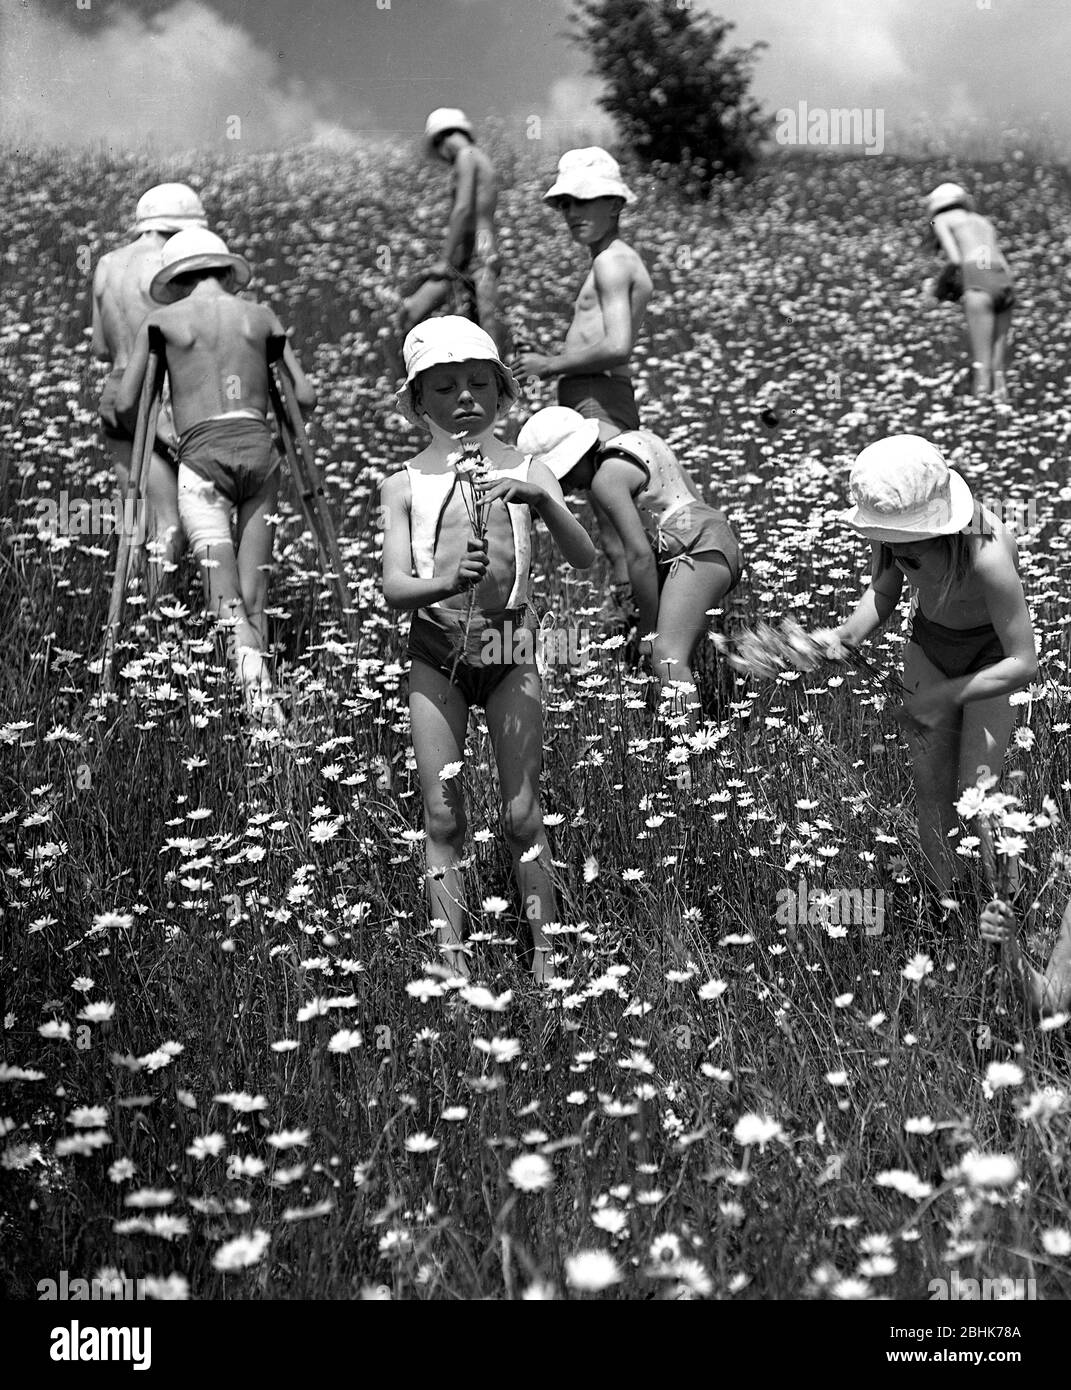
x,y
307,478
140,458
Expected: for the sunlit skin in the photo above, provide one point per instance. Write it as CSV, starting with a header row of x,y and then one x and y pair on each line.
x,y
962,235
463,399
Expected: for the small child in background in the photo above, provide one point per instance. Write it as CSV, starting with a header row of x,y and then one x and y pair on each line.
x,y
681,554
969,241
456,554
972,640
217,352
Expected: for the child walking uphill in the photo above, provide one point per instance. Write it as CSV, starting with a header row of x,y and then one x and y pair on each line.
x,y
681,554
457,554
971,642
970,243
217,348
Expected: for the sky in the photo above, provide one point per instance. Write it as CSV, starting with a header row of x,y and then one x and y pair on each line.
x,y
177,73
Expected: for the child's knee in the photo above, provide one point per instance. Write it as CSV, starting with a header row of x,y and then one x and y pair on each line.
x,y
444,823
522,820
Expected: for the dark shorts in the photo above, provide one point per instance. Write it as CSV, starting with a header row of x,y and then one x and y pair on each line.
x,y
492,651
995,283
237,456
956,651
601,397
698,529
114,428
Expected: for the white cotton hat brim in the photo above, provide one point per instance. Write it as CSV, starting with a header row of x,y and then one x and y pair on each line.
x,y
933,518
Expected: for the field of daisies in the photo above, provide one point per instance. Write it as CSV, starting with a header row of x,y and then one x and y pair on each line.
x,y
233,1063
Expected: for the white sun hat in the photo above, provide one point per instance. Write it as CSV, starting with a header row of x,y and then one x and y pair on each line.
x,y
903,490
558,437
588,173
197,249
448,339
945,196
442,120
169,207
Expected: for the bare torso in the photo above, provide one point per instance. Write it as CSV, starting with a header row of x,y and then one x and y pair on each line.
x,y
973,238
483,199
216,346
588,327
455,531
121,298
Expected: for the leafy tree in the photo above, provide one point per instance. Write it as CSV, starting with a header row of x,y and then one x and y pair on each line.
x,y
677,94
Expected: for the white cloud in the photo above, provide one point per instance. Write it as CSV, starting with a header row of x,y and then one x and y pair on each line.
x,y
182,79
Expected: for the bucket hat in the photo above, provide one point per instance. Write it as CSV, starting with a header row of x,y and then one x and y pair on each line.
x,y
197,249
588,173
903,490
451,338
558,437
169,207
441,121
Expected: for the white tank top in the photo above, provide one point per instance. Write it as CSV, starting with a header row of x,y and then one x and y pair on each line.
x,y
431,493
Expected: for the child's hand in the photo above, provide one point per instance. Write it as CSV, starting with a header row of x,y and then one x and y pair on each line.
x,y
472,567
509,490
997,923
533,364
831,642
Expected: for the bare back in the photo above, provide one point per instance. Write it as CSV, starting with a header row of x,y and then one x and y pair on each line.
x,y
216,347
121,299
973,237
476,184
624,269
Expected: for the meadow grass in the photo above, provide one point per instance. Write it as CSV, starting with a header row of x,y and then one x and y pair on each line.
x,y
232,1063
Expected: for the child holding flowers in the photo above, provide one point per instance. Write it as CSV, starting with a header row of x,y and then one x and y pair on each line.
x,y
971,643
457,555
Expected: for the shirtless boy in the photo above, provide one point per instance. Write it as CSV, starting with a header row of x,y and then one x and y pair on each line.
x,y
120,303
468,266
217,350
593,366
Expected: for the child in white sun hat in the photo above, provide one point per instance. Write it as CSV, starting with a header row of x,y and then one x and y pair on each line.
x,y
971,642
216,348
590,194
681,554
969,241
457,551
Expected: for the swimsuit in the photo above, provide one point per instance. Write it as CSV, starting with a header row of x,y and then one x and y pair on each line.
x,y
994,281
956,651
680,525
236,453
437,633
114,428
600,396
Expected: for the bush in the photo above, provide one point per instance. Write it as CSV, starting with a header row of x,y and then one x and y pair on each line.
x,y
678,96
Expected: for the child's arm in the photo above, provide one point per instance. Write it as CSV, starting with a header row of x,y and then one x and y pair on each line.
x,y
462,215
401,588
543,494
947,240
876,605
610,542
303,388
1045,993
1006,602
126,402
101,351
613,286
612,488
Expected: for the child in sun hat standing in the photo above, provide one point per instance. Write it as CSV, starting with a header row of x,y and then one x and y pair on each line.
x,y
467,270
593,366
969,241
457,554
121,300
972,640
216,347
681,554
